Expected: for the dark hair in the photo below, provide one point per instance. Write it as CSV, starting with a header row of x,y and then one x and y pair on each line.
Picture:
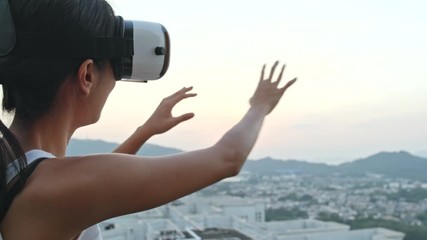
x,y
30,84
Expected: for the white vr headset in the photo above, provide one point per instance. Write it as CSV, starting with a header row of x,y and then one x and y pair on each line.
x,y
139,51
151,50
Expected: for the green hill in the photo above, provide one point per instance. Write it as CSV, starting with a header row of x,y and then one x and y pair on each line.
x,y
391,164
276,166
78,147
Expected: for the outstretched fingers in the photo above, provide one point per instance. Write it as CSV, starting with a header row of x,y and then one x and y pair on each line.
x,y
290,83
277,82
177,97
180,95
262,73
162,119
183,117
272,71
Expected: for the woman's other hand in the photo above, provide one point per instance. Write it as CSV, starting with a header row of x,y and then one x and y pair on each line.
x,y
159,122
162,120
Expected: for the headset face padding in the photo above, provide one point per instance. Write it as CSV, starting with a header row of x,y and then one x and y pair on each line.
x,y
128,61
117,63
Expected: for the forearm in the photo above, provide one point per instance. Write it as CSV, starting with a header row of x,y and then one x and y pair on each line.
x,y
241,138
135,141
238,142
173,176
147,182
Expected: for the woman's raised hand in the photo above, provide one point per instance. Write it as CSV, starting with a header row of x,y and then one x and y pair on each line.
x,y
268,93
162,120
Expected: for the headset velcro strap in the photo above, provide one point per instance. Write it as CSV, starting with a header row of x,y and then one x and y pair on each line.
x,y
7,32
39,45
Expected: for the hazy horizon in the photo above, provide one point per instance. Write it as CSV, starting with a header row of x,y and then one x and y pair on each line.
x,y
361,68
362,79
330,162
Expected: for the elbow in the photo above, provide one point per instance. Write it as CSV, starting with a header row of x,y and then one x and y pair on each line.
x,y
235,170
232,158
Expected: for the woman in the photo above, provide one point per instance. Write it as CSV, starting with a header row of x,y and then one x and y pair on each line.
x,y
52,97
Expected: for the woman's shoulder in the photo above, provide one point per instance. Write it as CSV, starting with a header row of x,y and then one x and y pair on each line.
x,y
48,186
58,180
47,200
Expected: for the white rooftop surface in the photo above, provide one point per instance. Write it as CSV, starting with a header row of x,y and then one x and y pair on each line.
x,y
302,226
195,213
363,234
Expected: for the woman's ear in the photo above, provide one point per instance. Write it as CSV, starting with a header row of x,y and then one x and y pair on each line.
x,y
86,76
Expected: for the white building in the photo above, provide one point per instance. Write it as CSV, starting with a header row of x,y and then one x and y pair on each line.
x,y
229,218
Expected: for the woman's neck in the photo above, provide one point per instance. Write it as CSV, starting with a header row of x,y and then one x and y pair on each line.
x,y
50,133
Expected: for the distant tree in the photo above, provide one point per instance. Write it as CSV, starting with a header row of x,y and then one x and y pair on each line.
x,y
327,216
411,232
281,214
410,195
294,197
423,218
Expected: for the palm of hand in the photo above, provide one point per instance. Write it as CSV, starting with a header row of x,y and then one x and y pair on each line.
x,y
268,93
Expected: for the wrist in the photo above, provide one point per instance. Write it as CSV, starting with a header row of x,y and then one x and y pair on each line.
x,y
144,132
260,108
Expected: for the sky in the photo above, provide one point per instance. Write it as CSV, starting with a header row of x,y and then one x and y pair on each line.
x,y
361,68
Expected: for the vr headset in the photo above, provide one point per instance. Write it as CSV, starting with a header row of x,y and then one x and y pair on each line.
x,y
139,51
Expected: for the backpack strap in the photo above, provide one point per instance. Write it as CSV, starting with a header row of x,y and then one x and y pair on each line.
x,y
17,187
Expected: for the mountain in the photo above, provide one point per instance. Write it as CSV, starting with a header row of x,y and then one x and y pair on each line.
x,y
275,166
392,164
82,147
